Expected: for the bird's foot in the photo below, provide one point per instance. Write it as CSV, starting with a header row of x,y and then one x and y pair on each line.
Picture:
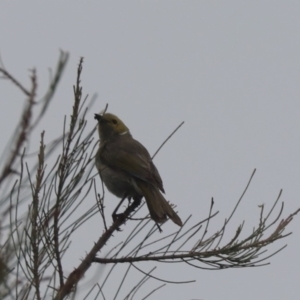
x,y
116,217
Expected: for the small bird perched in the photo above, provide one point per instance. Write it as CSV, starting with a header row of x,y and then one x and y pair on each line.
x,y
126,168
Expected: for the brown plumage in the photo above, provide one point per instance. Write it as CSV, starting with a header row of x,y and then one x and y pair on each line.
x,y
127,170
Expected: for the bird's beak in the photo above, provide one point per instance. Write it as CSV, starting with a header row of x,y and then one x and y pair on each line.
x,y
98,117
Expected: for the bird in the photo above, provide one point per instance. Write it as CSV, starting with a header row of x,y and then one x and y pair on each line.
x,y
127,170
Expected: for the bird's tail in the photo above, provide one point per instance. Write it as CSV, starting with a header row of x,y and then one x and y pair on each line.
x,y
158,206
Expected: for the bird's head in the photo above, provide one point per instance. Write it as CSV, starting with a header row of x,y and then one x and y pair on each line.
x,y
110,126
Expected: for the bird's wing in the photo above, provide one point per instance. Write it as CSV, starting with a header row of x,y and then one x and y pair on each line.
x,y
130,156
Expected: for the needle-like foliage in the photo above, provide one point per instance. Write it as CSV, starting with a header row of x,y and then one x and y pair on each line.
x,y
44,204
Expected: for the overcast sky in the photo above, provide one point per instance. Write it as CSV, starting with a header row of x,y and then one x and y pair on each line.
x,y
229,69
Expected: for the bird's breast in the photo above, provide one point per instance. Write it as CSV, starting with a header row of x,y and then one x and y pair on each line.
x,y
117,182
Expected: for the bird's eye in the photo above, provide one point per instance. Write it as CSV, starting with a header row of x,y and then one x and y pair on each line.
x,y
114,121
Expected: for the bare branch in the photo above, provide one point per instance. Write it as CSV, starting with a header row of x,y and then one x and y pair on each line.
x,y
166,140
7,75
42,209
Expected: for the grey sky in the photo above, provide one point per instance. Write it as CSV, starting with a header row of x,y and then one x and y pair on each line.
x,y
229,69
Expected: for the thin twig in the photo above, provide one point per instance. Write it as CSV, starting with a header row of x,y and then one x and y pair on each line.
x,y
173,132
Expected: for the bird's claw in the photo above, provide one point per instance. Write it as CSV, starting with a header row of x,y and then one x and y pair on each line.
x,y
118,217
